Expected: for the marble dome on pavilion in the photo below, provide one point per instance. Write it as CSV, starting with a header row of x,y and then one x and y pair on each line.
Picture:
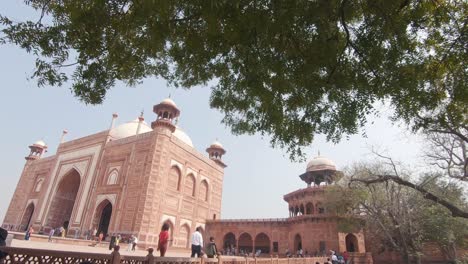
x,y
320,163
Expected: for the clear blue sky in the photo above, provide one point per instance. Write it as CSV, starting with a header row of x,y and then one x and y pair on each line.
x,y
256,178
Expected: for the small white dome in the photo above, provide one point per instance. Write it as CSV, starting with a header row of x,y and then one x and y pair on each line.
x,y
178,133
40,143
129,129
216,144
320,163
169,101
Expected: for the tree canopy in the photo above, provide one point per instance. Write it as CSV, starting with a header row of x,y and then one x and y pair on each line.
x,y
289,69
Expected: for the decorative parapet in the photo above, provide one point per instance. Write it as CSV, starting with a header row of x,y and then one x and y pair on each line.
x,y
39,256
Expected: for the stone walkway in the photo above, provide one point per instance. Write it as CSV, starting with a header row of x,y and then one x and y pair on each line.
x,y
79,248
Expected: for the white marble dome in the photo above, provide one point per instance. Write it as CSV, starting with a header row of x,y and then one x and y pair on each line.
x,y
169,101
216,144
180,134
129,129
40,143
320,163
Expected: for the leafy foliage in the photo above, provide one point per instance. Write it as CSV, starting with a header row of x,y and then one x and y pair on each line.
x,y
290,69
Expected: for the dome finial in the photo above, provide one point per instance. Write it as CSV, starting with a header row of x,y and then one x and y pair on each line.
x,y
142,112
318,153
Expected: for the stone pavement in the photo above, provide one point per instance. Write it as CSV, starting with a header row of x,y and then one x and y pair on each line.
x,y
79,248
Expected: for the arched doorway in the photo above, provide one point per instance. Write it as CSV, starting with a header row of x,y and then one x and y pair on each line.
x,y
61,207
262,242
27,216
103,216
184,238
229,241
245,243
297,243
351,243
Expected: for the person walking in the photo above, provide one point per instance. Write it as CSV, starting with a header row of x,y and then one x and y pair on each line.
x,y
211,249
163,239
29,233
197,243
134,243
130,243
51,234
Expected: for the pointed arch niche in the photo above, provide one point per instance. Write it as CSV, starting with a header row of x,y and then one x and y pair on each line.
x,y
62,204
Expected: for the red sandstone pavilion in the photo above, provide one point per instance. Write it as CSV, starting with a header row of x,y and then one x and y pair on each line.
x,y
132,178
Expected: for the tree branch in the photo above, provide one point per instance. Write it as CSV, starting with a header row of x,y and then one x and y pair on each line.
x,y
455,210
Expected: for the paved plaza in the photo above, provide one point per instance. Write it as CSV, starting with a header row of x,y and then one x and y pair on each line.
x,y
89,249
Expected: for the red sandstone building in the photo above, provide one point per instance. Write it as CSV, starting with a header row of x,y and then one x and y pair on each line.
x,y
132,178
308,228
129,179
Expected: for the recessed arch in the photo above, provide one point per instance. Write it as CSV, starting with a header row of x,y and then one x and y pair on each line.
x,y
262,242
184,238
320,208
309,208
229,240
351,243
61,207
102,217
174,178
113,177
171,231
302,210
204,190
38,185
245,243
189,185
27,216
297,242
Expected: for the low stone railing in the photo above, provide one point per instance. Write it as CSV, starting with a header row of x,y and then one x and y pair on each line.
x,y
39,256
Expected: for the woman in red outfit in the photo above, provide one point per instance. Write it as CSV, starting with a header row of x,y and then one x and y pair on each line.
x,y
163,239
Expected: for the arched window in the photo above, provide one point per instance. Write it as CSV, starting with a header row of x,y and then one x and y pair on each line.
x,y
302,211
320,208
204,191
38,186
309,208
113,177
189,185
174,179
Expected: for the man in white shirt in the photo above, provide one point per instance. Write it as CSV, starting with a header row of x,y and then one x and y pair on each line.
x,y
197,243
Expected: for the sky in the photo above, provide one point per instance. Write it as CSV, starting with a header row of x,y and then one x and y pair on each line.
x,y
257,175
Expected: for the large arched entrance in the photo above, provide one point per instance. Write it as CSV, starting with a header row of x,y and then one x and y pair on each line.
x,y
27,216
229,241
297,243
102,217
245,243
262,242
351,243
61,207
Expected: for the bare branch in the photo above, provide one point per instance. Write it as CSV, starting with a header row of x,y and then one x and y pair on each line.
x,y
455,210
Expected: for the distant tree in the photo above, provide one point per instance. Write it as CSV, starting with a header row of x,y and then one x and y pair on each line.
x,y
397,217
289,69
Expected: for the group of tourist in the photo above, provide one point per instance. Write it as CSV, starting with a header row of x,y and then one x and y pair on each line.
x,y
336,258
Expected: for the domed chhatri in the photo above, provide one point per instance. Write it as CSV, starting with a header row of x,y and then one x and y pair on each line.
x,y
36,150
320,163
216,151
40,143
319,170
167,112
